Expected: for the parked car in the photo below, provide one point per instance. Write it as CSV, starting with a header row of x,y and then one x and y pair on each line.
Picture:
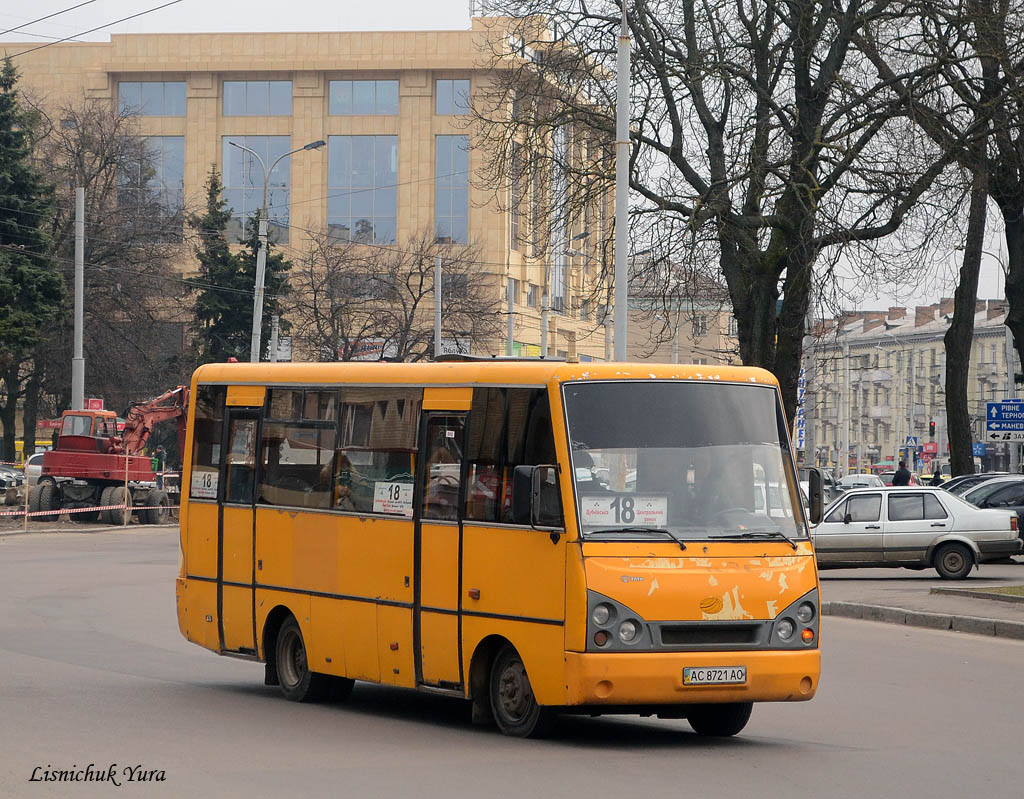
x,y
12,483
913,528
965,482
33,468
887,478
1005,493
861,481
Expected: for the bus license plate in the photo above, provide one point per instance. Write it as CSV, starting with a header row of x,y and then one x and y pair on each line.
x,y
715,675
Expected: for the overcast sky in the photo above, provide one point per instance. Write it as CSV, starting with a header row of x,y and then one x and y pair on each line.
x,y
191,16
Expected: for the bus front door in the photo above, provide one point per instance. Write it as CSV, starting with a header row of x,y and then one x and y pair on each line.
x,y
436,629
236,534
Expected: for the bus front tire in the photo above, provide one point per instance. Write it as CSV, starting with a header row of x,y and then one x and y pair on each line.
x,y
513,704
719,721
298,683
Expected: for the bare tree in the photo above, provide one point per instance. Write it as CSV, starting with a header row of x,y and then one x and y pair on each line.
x,y
133,238
759,131
359,301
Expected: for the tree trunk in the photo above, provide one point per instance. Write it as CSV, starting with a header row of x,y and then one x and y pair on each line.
x,y
1014,226
8,411
960,335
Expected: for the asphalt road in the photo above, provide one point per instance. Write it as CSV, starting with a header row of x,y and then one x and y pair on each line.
x,y
94,671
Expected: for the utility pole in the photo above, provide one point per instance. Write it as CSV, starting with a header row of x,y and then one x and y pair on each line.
x,y
622,190
1011,393
437,307
275,329
810,397
911,454
77,358
511,318
844,409
545,308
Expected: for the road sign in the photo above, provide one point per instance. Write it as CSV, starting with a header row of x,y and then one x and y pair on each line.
x,y
978,449
911,441
1004,421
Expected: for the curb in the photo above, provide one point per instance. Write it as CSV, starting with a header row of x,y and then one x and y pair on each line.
x,y
87,530
978,594
935,621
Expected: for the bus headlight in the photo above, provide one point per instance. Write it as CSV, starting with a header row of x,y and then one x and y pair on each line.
x,y
602,613
785,629
627,632
805,612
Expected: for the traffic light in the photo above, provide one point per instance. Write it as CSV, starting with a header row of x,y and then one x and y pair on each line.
x,y
931,428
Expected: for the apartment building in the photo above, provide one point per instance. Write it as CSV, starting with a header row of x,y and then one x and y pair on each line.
x,y
875,378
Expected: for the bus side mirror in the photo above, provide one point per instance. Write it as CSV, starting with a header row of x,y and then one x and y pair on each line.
x,y
815,499
536,497
522,494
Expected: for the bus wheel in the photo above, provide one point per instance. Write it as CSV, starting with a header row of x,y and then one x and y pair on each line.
x,y
513,704
297,682
719,721
953,561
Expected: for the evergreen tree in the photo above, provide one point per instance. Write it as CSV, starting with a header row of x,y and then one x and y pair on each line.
x,y
31,288
226,282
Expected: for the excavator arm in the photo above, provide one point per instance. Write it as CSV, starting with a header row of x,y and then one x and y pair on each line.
x,y
143,416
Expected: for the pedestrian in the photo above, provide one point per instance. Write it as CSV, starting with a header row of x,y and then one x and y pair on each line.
x,y
902,476
160,462
937,477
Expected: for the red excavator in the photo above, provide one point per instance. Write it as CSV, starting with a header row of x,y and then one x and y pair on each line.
x,y
95,465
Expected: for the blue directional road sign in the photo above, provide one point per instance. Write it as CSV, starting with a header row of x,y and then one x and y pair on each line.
x,y
1004,421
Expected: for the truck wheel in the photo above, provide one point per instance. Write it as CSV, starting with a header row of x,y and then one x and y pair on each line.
x,y
117,495
47,500
158,508
105,499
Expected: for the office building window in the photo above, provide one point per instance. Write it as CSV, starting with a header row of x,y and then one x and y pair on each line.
x,y
257,98
243,184
451,97
363,97
733,329
532,295
513,291
151,98
151,190
700,326
362,199
451,189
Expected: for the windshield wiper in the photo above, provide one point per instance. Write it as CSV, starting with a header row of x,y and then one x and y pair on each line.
x,y
761,534
641,529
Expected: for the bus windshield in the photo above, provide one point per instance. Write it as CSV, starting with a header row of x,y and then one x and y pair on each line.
x,y
685,460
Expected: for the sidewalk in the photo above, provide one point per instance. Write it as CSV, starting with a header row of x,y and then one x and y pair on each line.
x,y
899,596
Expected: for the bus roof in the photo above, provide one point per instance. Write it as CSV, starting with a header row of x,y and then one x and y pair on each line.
x,y
463,373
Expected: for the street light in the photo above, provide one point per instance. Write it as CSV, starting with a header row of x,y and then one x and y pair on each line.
x,y
261,255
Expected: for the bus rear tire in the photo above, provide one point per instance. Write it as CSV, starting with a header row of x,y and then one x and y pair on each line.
x,y
513,704
298,683
719,721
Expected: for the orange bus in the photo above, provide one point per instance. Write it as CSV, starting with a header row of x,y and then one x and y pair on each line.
x,y
534,537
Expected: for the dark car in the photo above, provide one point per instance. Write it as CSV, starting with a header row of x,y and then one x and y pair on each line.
x,y
965,482
1003,493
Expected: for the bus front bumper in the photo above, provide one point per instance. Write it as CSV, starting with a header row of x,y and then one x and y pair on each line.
x,y
656,678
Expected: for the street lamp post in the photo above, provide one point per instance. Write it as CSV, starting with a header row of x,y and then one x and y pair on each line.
x,y
622,189
261,254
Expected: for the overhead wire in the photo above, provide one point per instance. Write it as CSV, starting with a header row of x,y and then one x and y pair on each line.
x,y
48,16
97,28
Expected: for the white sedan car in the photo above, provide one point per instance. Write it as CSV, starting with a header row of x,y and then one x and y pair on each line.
x,y
915,528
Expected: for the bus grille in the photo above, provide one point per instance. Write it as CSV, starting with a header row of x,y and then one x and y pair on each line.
x,y
707,634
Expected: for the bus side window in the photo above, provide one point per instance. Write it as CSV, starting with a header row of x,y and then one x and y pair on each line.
x,y
206,438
